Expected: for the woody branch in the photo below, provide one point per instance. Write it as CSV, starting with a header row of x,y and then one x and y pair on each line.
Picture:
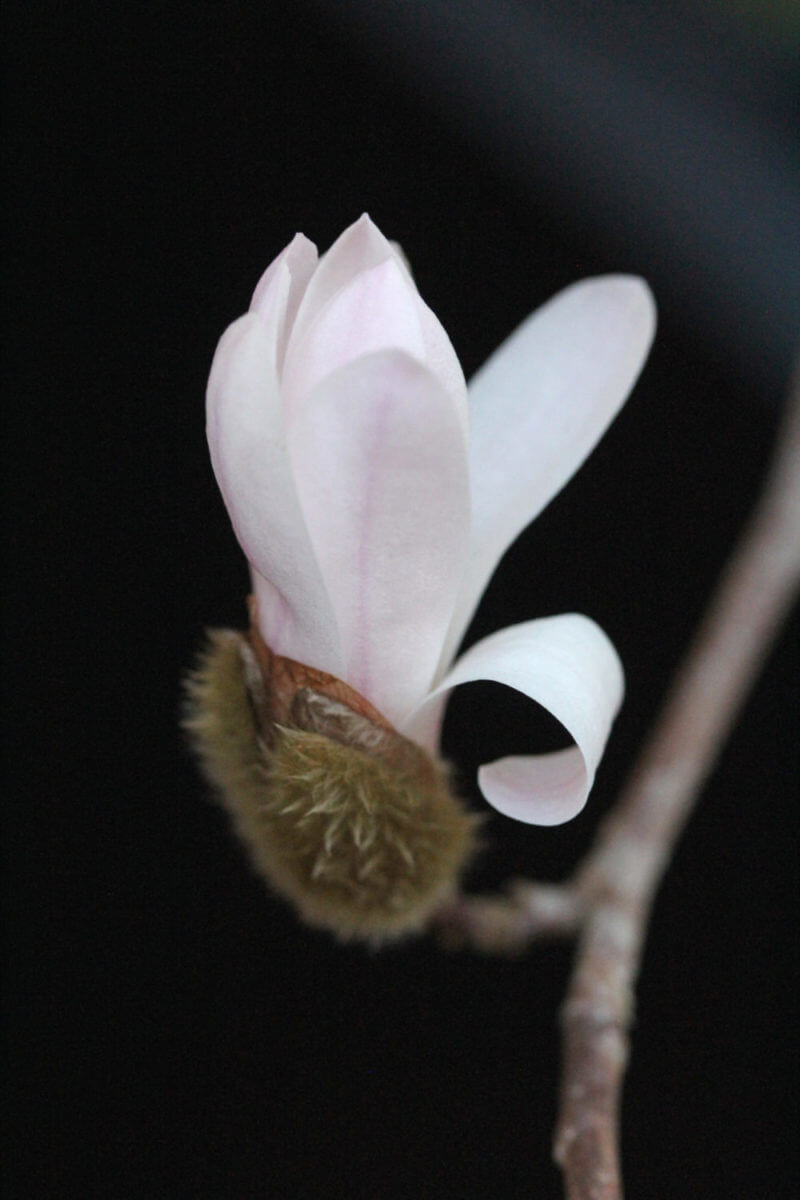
x,y
607,901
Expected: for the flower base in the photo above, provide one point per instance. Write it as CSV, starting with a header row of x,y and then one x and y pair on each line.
x,y
351,822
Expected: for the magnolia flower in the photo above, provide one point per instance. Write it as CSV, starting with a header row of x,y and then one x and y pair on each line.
x,y
374,495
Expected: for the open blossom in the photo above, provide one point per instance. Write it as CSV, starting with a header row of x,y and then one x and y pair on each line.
x,y
374,494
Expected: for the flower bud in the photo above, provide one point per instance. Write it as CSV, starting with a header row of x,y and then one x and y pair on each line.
x,y
345,818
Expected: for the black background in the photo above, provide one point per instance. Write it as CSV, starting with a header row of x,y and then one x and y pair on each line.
x,y
175,1032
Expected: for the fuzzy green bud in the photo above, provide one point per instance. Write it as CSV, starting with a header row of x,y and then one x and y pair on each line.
x,y
352,823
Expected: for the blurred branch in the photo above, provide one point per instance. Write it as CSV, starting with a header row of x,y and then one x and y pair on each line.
x,y
607,901
681,163
508,924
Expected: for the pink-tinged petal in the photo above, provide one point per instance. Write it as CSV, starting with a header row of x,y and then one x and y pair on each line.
x,y
375,311
400,255
281,288
360,248
566,664
442,361
440,357
537,409
381,472
248,452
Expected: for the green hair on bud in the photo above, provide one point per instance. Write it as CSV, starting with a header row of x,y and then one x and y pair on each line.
x,y
353,824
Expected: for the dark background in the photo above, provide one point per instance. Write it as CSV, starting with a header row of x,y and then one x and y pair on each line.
x,y
174,1031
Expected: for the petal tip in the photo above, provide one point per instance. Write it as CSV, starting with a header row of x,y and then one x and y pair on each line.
x,y
631,294
641,298
364,227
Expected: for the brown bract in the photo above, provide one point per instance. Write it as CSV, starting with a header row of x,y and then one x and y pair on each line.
x,y
353,823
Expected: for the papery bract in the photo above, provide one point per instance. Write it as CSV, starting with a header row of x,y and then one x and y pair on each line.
x,y
374,498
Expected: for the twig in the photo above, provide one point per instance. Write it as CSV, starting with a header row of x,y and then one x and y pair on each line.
x,y
508,924
610,895
621,873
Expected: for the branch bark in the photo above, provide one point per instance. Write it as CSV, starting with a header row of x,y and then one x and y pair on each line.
x,y
619,877
609,898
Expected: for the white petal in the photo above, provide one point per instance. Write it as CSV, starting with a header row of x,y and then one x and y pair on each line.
x,y
374,311
248,452
361,248
566,664
400,255
537,409
440,357
281,288
381,471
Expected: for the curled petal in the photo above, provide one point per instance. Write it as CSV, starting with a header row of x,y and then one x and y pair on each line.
x,y
248,452
566,664
281,288
381,471
537,409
